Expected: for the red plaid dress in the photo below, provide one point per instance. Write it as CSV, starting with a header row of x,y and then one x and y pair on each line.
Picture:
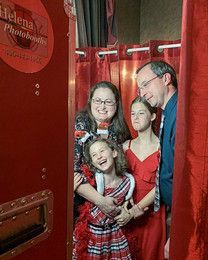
x,y
105,239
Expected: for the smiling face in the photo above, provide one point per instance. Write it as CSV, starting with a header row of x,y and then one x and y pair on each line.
x,y
151,87
141,118
102,156
103,112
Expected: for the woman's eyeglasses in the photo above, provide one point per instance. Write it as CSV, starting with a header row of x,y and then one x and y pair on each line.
x,y
107,102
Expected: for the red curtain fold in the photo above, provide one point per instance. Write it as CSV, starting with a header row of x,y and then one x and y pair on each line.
x,y
90,69
189,230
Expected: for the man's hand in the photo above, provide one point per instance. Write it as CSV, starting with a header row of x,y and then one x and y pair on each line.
x,y
108,206
166,249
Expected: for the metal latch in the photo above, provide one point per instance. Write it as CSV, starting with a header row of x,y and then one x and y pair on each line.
x,y
24,222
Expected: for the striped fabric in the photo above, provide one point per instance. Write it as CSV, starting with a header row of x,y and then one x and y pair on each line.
x,y
157,186
99,218
108,242
105,238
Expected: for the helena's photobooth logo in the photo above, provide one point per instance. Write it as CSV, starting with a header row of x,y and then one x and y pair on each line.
x,y
25,33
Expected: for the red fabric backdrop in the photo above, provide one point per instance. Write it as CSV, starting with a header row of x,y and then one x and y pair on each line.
x,y
189,229
119,69
189,233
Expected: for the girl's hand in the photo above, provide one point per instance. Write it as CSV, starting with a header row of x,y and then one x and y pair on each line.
x,y
136,211
124,217
77,180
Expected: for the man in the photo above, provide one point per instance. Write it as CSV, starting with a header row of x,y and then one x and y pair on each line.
x,y
157,83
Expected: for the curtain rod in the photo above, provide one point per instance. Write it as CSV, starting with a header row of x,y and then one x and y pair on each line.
x,y
128,51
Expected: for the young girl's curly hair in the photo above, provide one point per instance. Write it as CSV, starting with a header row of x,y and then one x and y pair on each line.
x,y
120,160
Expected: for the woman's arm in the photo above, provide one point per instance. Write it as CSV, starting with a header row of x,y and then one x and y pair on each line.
x,y
80,126
106,204
77,180
147,200
143,204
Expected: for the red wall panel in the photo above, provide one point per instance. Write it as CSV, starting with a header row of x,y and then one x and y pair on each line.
x,y
34,135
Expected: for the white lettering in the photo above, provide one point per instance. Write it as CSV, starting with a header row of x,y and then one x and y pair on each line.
x,y
19,20
12,16
9,28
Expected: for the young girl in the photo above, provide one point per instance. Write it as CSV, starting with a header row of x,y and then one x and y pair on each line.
x,y
147,234
97,236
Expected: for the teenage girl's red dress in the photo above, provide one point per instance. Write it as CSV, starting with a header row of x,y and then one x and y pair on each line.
x,y
146,235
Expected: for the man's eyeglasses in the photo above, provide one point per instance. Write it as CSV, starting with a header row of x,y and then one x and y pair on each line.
x,y
107,102
143,86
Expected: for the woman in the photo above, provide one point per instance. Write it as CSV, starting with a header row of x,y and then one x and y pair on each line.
x,y
146,234
103,116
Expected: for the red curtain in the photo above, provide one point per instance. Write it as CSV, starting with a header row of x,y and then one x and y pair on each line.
x,y
189,230
92,68
119,69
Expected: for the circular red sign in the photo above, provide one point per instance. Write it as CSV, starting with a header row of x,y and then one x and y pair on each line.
x,y
26,35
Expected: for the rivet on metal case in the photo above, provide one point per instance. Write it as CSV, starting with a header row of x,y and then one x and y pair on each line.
x,y
13,252
27,212
37,85
12,204
50,211
23,201
37,93
44,170
14,217
43,176
43,194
